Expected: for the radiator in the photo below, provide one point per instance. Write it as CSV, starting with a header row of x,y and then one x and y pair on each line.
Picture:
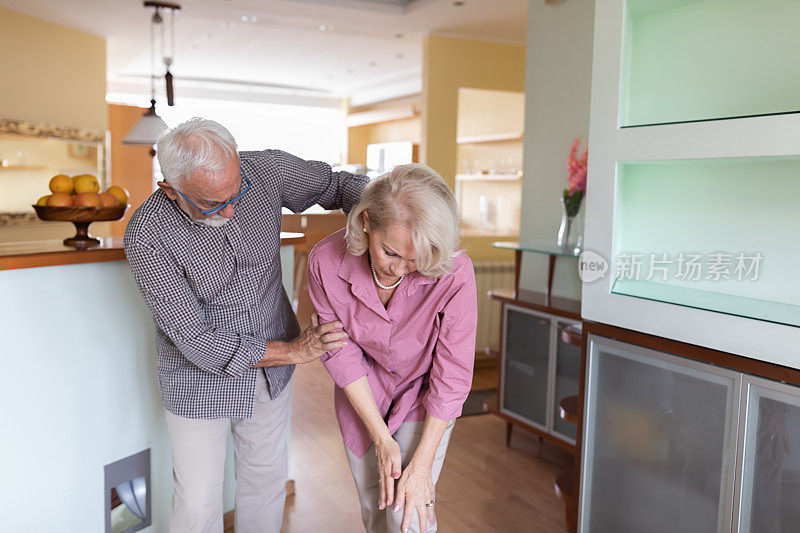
x,y
491,275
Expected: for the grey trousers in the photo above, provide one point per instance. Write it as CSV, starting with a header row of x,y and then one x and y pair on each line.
x,y
365,474
198,458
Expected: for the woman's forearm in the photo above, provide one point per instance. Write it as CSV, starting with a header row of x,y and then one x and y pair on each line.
x,y
360,396
432,433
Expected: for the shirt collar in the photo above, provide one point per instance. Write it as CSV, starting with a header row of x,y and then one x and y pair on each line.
x,y
355,270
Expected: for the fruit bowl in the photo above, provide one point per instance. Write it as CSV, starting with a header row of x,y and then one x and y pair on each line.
x,y
81,217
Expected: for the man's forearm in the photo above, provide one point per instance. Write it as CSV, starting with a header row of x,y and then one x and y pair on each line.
x,y
278,353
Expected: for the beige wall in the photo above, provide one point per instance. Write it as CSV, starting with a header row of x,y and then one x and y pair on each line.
x,y
55,75
359,137
558,80
51,73
131,166
448,64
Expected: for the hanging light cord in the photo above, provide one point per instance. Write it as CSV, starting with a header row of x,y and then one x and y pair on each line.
x,y
153,22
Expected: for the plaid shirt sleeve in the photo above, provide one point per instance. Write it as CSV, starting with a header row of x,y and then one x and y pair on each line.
x,y
305,183
454,356
178,313
346,364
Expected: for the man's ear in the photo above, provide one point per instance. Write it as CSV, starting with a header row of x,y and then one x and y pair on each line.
x,y
168,190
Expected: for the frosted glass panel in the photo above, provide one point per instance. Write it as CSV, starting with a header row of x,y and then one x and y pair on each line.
x,y
658,444
696,60
771,487
568,362
526,363
737,215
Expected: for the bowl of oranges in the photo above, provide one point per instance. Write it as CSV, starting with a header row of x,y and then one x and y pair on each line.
x,y
78,199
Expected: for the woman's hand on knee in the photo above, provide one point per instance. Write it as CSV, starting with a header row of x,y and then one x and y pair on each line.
x,y
389,467
415,491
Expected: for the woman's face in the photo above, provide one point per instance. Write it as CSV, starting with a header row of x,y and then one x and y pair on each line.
x,y
391,251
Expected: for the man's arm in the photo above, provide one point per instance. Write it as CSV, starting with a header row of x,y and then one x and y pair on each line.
x,y
305,183
178,313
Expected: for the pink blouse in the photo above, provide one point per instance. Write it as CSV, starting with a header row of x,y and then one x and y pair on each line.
x,y
417,353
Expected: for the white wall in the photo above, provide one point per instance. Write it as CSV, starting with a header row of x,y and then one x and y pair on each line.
x,y
558,73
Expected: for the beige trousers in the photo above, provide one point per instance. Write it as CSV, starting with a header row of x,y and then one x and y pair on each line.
x,y
365,474
198,458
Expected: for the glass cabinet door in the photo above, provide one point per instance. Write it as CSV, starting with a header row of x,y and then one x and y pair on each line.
x,y
770,455
568,364
659,447
526,354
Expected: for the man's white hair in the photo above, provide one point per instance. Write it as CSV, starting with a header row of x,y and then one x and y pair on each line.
x,y
197,144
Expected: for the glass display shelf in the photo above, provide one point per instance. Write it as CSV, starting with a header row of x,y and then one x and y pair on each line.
x,y
700,60
765,310
540,247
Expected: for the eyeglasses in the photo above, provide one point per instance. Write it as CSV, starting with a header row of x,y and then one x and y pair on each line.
x,y
208,212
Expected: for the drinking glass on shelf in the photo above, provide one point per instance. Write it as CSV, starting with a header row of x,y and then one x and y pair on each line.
x,y
483,213
498,212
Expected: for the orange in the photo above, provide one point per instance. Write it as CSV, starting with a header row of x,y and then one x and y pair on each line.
x,y
86,183
87,199
42,200
61,183
108,200
60,199
120,193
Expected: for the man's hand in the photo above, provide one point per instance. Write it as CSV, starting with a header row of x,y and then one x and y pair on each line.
x,y
315,340
310,345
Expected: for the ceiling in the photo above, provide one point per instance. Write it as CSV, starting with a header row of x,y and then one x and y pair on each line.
x,y
311,51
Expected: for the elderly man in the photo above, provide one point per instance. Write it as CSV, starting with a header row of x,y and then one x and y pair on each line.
x,y
204,250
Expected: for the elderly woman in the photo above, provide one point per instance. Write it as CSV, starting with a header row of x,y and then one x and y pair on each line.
x,y
406,296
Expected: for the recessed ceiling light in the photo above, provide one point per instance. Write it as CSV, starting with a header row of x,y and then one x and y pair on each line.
x,y
249,19
325,27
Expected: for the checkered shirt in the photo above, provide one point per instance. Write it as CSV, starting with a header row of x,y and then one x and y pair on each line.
x,y
216,294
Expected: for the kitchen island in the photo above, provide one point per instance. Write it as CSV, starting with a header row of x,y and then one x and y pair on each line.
x,y
80,390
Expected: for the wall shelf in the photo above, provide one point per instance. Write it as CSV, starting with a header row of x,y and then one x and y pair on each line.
x,y
488,177
489,138
23,167
704,182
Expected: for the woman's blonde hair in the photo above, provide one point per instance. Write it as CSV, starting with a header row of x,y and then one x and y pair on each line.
x,y
416,196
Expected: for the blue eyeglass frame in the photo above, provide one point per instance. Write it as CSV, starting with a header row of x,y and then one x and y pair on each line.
x,y
209,212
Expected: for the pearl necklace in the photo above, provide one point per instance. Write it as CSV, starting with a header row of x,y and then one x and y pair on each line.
x,y
381,285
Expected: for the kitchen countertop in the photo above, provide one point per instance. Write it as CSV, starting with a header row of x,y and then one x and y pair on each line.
x,y
32,254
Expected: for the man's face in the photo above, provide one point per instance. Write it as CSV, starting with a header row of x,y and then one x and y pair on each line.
x,y
209,193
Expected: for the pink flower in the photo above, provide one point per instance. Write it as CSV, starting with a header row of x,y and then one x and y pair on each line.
x,y
576,168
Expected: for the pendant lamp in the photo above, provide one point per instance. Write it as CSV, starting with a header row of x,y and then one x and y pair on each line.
x,y
146,131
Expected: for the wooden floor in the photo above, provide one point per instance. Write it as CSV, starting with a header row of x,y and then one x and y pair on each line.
x,y
484,487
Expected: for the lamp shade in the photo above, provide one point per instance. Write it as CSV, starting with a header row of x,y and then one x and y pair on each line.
x,y
146,131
